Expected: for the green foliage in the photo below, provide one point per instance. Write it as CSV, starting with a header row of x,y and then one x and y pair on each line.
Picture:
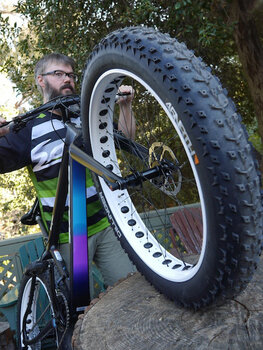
x,y
75,27
16,190
16,197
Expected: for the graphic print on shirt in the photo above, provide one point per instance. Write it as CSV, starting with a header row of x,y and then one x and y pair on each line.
x,y
46,153
47,144
46,128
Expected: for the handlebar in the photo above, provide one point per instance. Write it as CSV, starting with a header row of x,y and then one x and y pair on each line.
x,y
61,102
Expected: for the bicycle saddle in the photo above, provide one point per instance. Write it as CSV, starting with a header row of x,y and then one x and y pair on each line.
x,y
30,217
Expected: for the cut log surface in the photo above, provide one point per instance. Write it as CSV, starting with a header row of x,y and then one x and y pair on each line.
x,y
134,316
7,341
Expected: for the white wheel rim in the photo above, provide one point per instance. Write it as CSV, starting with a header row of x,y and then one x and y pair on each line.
x,y
156,264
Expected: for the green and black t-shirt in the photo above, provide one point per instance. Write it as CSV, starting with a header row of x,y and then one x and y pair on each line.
x,y
39,146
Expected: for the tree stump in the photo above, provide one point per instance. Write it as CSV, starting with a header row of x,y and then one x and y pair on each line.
x,y
134,316
6,337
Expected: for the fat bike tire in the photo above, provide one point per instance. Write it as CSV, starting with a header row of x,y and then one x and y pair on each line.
x,y
41,314
193,229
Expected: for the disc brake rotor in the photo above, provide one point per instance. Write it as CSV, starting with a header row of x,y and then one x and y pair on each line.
x,y
170,182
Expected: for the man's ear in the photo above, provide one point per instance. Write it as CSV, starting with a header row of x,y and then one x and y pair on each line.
x,y
41,81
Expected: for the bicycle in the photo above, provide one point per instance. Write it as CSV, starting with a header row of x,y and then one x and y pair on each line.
x,y
190,154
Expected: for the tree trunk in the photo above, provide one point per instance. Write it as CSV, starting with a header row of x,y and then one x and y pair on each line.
x,y
134,316
250,51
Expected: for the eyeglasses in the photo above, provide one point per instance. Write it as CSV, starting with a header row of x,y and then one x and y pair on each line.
x,y
60,74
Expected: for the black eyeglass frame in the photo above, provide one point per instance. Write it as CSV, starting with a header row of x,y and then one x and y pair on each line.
x,y
71,75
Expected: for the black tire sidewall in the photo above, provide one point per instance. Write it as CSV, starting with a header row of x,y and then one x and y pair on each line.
x,y
207,282
110,59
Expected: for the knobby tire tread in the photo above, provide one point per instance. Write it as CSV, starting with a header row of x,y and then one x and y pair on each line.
x,y
215,128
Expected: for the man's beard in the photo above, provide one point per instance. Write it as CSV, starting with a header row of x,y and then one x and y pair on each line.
x,y
52,92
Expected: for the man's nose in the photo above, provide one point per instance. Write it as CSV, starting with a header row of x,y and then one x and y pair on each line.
x,y
66,78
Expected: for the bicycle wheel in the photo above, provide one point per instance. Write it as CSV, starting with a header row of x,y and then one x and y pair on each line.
x,y
189,215
37,325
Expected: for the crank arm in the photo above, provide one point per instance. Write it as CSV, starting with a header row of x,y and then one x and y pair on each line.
x,y
114,181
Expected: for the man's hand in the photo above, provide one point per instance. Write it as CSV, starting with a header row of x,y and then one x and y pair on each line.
x,y
3,130
127,123
126,94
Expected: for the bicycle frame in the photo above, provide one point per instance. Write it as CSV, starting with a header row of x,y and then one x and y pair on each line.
x,y
73,166
78,278
71,177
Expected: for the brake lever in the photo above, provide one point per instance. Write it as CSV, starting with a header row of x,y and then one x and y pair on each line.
x,y
121,94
